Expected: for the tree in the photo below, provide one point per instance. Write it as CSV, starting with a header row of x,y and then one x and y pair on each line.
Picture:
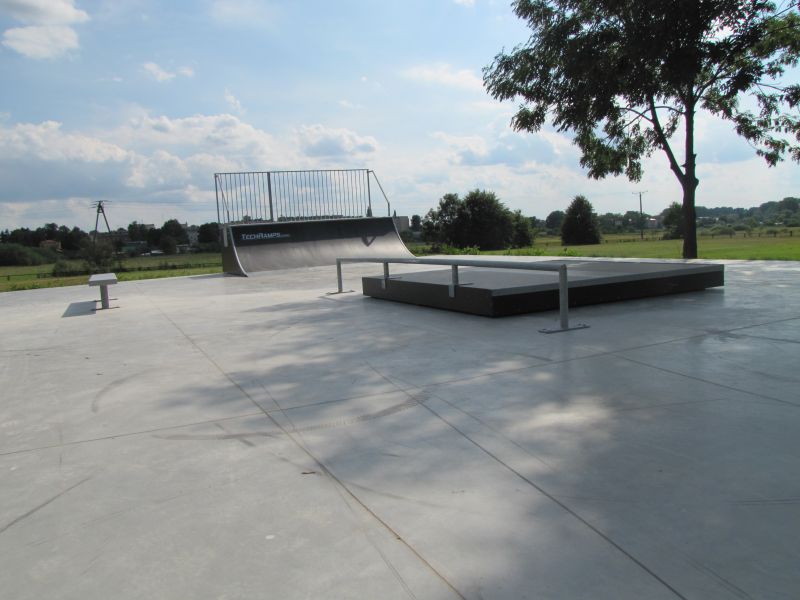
x,y
625,75
167,244
554,220
580,223
416,223
440,224
484,221
137,232
98,255
673,222
208,233
480,219
522,232
175,230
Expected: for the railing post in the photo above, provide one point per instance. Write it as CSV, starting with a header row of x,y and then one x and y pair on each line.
x,y
339,274
369,196
269,195
563,297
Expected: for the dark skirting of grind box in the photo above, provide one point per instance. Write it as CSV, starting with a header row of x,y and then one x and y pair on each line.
x,y
504,292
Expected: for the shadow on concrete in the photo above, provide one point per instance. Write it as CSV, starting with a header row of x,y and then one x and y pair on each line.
x,y
80,309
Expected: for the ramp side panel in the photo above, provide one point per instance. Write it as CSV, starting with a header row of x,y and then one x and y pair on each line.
x,y
230,260
271,246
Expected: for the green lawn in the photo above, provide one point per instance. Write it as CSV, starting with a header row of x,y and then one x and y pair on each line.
x,y
626,246
150,267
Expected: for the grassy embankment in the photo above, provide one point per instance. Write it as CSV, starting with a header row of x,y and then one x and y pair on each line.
x,y
765,247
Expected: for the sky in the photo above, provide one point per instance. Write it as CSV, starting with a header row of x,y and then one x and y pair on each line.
x,y
139,102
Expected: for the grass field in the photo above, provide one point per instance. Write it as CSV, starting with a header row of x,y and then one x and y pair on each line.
x,y
150,267
625,246
613,246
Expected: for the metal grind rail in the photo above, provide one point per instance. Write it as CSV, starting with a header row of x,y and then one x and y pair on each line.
x,y
455,263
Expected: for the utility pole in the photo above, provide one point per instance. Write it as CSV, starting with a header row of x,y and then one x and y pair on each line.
x,y
100,210
641,215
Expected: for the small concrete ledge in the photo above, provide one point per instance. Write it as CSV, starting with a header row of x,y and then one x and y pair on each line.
x,y
103,280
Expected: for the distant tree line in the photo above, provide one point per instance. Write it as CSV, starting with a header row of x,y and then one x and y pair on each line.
x,y
481,221
53,242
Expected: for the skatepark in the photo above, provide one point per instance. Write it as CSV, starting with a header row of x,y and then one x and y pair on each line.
x,y
237,437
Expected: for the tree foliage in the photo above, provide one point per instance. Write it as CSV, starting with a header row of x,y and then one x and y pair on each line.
x,y
522,230
580,223
554,220
625,75
672,221
479,220
208,233
172,228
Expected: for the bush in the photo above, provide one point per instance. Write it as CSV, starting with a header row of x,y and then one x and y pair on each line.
x,y
98,256
63,268
18,255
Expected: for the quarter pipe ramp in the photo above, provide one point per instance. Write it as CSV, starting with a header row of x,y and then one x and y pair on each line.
x,y
252,247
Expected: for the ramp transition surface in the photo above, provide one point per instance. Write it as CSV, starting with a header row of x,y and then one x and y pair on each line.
x,y
252,247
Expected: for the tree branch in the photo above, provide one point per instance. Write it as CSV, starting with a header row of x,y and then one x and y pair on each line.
x,y
662,139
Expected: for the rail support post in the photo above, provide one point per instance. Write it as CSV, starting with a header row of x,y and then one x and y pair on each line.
x,y
563,304
454,281
385,280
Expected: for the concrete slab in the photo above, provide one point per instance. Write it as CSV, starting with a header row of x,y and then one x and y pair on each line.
x,y
221,437
500,292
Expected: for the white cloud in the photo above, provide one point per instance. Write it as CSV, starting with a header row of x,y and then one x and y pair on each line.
x,y
233,102
350,105
41,41
161,75
161,169
464,2
48,32
157,72
325,142
223,134
46,141
53,12
243,13
444,74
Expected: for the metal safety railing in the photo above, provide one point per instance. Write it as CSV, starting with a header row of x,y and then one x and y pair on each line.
x,y
269,196
455,263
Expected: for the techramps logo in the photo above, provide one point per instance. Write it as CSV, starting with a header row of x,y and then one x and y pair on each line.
x,y
263,236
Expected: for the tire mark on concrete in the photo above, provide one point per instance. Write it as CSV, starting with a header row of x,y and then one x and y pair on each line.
x,y
41,506
111,386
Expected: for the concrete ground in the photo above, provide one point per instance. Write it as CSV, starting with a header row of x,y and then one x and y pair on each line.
x,y
221,437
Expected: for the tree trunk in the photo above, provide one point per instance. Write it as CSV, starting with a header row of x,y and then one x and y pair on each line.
x,y
689,184
689,220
